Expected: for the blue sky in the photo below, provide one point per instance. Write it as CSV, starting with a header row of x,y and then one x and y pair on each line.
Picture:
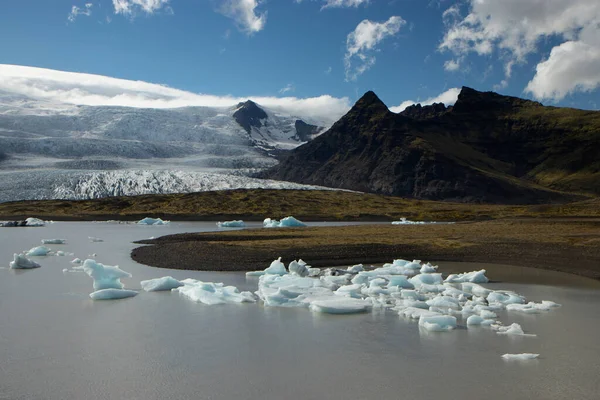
x,y
402,49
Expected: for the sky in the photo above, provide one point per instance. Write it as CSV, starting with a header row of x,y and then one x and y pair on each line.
x,y
313,56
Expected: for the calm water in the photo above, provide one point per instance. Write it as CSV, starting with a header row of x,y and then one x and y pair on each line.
x,y
55,343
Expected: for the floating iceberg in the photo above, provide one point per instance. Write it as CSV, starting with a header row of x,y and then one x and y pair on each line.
x,y
340,306
231,224
95,239
39,251
287,222
112,294
276,268
513,330
76,261
152,221
532,307
298,268
160,284
437,323
520,357
34,222
22,262
477,320
404,221
473,277
105,276
213,293
54,241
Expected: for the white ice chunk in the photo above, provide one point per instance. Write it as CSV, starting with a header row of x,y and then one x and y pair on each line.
x,y
112,294
38,251
444,302
520,357
400,281
350,291
505,297
475,289
314,271
54,241
513,330
477,320
34,222
296,268
487,314
160,284
231,224
438,323
22,262
340,305
95,239
426,279
473,277
76,261
428,268
152,221
105,276
355,269
404,221
416,312
532,307
289,222
210,293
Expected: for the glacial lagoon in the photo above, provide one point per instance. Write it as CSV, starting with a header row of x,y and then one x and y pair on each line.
x,y
57,343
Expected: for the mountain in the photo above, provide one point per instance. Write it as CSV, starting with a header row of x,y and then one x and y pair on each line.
x,y
486,148
44,145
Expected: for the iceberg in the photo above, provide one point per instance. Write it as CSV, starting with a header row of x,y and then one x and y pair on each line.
x,y
112,294
437,323
287,222
298,268
513,330
532,307
355,269
160,284
473,277
95,239
152,221
21,262
34,222
276,268
213,293
505,297
105,276
231,224
76,261
404,221
54,241
39,251
477,320
340,305
520,357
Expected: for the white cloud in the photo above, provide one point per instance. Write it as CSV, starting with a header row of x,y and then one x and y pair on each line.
x,y
75,11
129,7
97,90
245,15
344,3
448,98
452,65
287,88
514,28
362,43
328,70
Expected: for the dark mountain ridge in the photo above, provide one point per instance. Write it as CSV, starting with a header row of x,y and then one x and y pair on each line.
x,y
486,148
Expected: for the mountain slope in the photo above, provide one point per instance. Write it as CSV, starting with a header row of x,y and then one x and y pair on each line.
x,y
487,148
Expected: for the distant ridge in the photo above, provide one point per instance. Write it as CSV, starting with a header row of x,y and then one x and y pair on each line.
x,y
486,148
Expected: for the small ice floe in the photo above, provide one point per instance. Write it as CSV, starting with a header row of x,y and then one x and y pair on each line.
x,y
520,357
513,330
298,268
160,284
532,307
21,262
404,221
287,222
473,277
152,221
355,269
105,276
112,294
340,306
95,239
504,297
438,323
39,251
34,222
210,293
478,320
76,261
276,268
231,224
54,241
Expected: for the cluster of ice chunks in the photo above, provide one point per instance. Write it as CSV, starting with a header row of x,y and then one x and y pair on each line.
x,y
232,224
107,281
404,221
287,222
210,293
152,221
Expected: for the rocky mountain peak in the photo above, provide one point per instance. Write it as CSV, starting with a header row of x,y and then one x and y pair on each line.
x,y
417,111
470,100
249,115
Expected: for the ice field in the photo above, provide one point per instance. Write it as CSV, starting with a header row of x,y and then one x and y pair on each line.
x,y
406,328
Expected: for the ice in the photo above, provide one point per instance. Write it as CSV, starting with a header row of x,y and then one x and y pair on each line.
x,y
426,279
76,261
477,320
34,222
487,314
444,302
520,357
95,239
54,241
473,277
314,271
475,289
152,221
160,284
437,323
416,312
298,268
428,268
276,268
354,291
22,262
532,307
513,330
39,251
505,297
400,281
213,293
340,305
289,222
105,276
355,269
231,224
112,294
404,221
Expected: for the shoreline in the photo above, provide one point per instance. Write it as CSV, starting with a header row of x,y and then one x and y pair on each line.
x,y
571,246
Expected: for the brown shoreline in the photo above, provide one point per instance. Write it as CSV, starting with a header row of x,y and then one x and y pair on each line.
x,y
569,245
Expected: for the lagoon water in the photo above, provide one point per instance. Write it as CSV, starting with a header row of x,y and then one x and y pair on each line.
x,y
56,343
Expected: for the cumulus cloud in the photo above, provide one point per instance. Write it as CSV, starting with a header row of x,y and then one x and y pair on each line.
x,y
452,65
130,7
245,15
361,44
448,98
98,90
76,11
344,3
514,29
